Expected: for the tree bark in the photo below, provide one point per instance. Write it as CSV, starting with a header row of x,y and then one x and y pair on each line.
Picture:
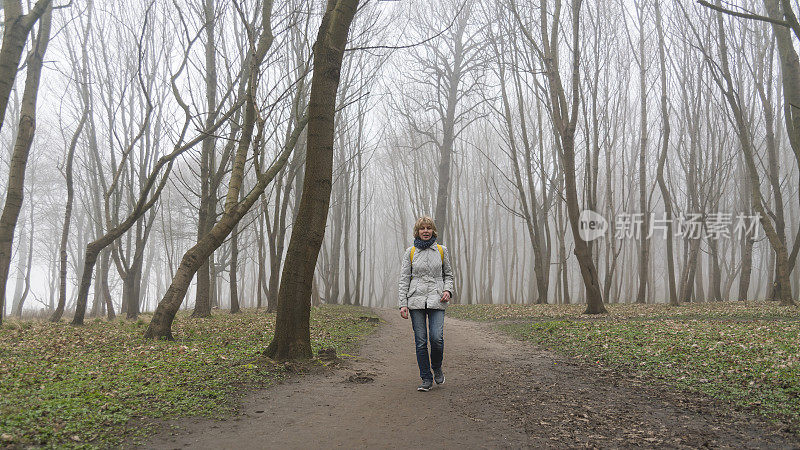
x,y
348,215
331,275
455,73
15,33
233,285
526,189
359,251
278,235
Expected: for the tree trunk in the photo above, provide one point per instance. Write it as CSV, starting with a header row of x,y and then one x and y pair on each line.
x,y
101,285
27,126
348,216
233,285
292,334
665,134
202,299
132,284
205,220
563,274
715,288
17,311
278,234
359,251
699,290
527,196
644,243
161,325
15,34
62,292
337,211
19,285
262,274
454,79
747,264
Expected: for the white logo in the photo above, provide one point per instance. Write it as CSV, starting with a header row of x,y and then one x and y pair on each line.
x,y
591,225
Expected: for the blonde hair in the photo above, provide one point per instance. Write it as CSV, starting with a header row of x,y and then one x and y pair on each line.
x,y
422,221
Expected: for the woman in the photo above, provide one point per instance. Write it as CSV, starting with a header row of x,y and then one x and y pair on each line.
x,y
426,286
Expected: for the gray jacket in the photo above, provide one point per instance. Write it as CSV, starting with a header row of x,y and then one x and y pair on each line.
x,y
430,278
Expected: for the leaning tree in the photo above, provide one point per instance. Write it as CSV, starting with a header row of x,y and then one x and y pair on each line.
x,y
292,338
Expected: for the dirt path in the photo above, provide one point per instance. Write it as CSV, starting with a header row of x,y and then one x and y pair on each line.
x,y
499,392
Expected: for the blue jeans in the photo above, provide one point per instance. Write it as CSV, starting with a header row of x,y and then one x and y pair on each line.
x,y
435,319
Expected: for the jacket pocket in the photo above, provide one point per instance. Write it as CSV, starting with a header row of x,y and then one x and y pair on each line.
x,y
440,287
412,288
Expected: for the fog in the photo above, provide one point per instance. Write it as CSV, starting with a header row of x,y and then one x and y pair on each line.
x,y
461,110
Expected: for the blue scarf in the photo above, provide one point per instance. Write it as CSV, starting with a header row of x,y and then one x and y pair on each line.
x,y
422,245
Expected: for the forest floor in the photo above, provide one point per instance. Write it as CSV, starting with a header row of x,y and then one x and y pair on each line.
x,y
499,392
103,385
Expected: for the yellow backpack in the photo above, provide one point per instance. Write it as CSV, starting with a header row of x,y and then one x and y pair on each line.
x,y
441,253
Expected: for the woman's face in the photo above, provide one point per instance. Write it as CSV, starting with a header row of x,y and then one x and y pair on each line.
x,y
425,232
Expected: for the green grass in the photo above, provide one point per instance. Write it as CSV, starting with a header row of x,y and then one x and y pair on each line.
x,y
739,311
748,354
102,384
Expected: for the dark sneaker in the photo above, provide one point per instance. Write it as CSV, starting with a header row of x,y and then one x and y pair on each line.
x,y
425,386
438,376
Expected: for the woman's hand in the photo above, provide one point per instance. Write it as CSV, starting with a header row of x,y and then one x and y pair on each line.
x,y
445,296
404,312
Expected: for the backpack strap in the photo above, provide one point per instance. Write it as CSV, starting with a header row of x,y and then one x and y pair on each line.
x,y
411,275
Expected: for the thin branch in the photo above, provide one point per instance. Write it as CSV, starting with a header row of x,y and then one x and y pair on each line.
x,y
422,42
744,15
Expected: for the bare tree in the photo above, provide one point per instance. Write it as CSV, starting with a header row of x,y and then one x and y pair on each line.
x,y
447,75
161,324
521,139
152,186
564,116
81,73
722,77
644,209
662,159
